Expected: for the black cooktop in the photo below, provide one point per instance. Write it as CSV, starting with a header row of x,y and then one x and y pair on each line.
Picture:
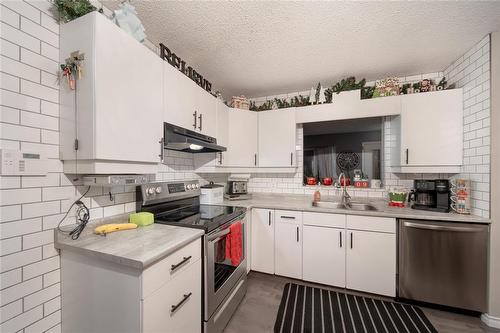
x,y
207,217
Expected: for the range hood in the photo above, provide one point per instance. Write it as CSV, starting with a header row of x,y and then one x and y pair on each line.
x,y
181,139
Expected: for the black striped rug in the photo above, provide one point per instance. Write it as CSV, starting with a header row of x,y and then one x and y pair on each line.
x,y
308,309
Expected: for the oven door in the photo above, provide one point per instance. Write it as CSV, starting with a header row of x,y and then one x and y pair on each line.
x,y
222,273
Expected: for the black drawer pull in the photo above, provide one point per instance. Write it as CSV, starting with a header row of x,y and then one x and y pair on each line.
x,y
288,217
184,260
183,300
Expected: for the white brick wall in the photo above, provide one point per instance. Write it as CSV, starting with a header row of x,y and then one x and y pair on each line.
x,y
30,207
472,73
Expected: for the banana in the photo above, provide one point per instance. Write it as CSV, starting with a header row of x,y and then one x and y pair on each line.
x,y
107,228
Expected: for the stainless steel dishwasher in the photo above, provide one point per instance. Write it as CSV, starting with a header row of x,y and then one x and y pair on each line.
x,y
444,263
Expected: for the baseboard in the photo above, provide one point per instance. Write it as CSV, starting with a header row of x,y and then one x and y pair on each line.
x,y
490,320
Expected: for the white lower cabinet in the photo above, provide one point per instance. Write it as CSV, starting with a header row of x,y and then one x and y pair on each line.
x,y
350,251
175,307
288,244
371,262
323,255
262,240
164,297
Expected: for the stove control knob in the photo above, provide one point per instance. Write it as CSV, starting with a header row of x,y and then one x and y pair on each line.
x,y
158,189
197,185
188,186
150,191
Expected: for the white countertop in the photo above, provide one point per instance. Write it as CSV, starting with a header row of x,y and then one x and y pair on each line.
x,y
304,203
136,248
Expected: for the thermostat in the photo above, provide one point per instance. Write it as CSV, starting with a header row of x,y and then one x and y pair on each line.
x,y
22,163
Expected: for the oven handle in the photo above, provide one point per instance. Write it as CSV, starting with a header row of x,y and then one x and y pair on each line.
x,y
216,237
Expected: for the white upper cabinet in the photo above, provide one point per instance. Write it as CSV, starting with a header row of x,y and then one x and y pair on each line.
x,y
207,113
242,149
277,131
179,103
186,104
117,118
429,132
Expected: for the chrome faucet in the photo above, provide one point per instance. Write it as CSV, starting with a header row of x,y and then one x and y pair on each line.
x,y
346,198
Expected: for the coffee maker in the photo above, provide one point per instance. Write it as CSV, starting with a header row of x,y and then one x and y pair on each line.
x,y
433,195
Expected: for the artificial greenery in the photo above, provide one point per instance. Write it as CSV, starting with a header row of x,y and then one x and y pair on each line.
x,y
345,85
367,92
299,101
318,92
68,10
282,103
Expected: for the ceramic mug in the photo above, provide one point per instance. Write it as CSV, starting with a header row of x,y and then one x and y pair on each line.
x,y
376,183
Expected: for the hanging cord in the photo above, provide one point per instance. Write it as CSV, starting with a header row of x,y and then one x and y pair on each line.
x,y
82,216
76,143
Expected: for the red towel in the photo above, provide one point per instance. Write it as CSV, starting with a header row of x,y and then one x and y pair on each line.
x,y
234,248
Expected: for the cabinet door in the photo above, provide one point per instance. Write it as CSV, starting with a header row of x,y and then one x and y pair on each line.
x,y
371,262
242,136
263,240
179,95
207,113
432,128
288,249
324,255
128,97
175,307
277,138
222,131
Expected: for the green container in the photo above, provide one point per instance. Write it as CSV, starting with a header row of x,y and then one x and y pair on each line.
x,y
398,196
142,219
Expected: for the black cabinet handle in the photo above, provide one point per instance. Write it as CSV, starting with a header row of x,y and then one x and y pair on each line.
x,y
288,217
183,300
200,118
161,150
220,158
255,159
340,239
195,119
351,240
407,155
291,158
184,260
269,218
297,234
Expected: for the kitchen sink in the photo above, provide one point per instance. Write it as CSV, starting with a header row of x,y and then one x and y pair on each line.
x,y
338,205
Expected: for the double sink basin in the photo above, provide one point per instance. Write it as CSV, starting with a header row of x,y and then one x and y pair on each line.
x,y
360,206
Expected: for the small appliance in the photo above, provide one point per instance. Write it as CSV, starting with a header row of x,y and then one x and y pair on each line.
x,y
212,194
432,195
237,187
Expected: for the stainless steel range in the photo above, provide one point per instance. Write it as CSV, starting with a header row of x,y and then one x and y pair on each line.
x,y
224,280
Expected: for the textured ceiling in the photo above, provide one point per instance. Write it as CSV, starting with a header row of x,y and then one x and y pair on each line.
x,y
264,48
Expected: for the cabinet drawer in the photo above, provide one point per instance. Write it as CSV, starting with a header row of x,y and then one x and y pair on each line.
x,y
371,223
176,306
290,216
324,219
173,265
